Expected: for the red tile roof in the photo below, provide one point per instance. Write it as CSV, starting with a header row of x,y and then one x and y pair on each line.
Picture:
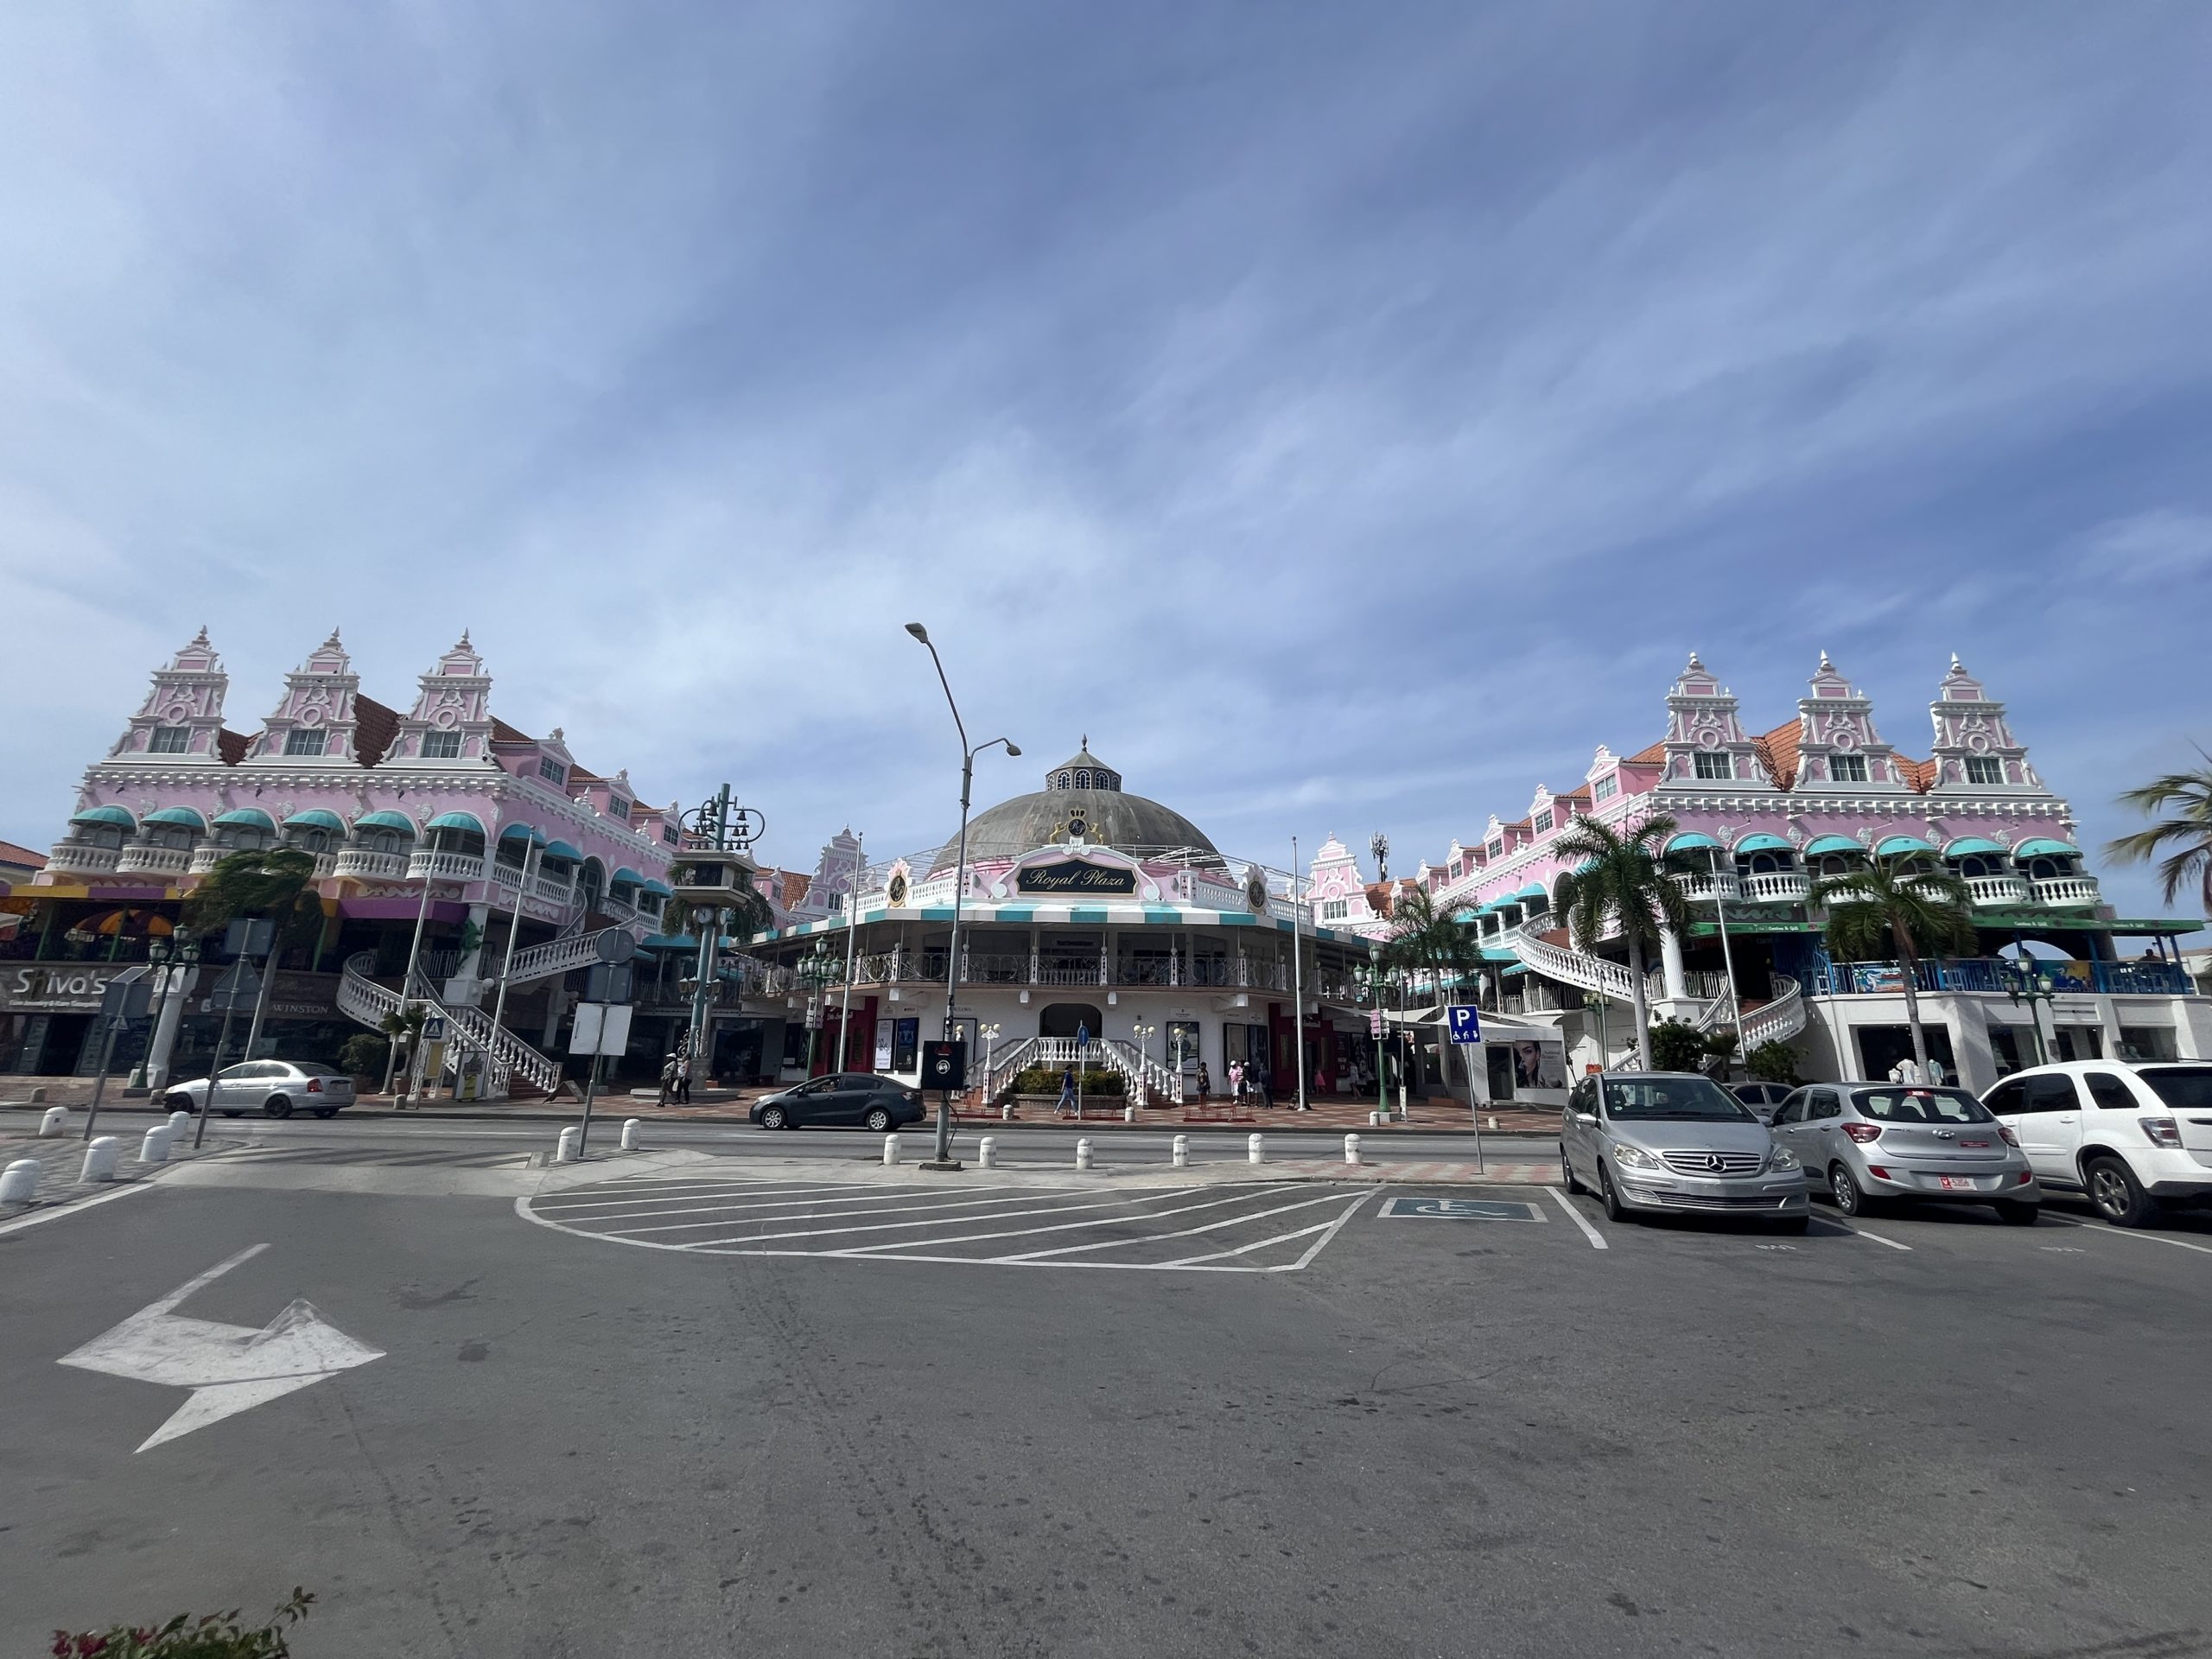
x,y
1651,755
503,733
1778,751
231,746
374,726
12,853
1921,774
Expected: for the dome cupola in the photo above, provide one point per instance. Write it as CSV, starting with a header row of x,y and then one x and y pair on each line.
x,y
1082,770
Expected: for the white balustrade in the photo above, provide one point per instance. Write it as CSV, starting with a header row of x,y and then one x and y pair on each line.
x,y
1701,886
1998,889
552,890
1777,887
445,867
138,859
358,863
2069,890
79,858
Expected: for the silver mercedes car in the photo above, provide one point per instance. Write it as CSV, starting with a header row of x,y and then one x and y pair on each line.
x,y
1675,1143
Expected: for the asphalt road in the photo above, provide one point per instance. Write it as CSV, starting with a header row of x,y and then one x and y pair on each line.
x,y
1440,1436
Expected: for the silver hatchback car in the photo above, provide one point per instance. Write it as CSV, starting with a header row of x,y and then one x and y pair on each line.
x,y
1675,1143
1868,1142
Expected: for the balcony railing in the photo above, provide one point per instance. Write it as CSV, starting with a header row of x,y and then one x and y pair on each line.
x,y
153,860
1777,887
363,865
447,867
1997,890
2065,890
1699,886
1988,976
552,890
325,866
78,858
205,858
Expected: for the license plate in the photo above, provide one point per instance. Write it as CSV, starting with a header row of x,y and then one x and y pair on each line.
x,y
1955,1183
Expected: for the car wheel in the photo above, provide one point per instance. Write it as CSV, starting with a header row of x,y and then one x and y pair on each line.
x,y
1615,1210
1843,1188
878,1119
2017,1213
2116,1193
773,1117
325,1111
1567,1178
278,1106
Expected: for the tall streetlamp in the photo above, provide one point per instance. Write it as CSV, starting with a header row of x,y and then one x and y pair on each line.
x,y
1298,921
852,943
943,1159
177,963
815,971
1381,1064
1727,957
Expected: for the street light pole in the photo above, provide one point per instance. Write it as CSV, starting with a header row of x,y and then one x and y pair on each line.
x,y
944,1158
530,850
1298,974
1727,960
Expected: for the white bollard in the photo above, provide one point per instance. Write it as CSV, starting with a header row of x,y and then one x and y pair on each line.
x,y
155,1148
99,1160
1375,1120
629,1128
1082,1153
890,1150
1182,1152
56,1121
1006,1113
20,1182
564,1149
986,1152
1491,1124
1129,1113
179,1123
1255,1149
1352,1148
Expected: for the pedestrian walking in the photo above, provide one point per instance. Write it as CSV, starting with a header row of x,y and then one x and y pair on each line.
x,y
683,1079
1236,1081
1066,1102
667,1080
1264,1080
1205,1083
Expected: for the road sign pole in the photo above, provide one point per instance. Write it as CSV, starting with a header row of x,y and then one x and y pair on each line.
x,y
591,1085
214,1073
99,1083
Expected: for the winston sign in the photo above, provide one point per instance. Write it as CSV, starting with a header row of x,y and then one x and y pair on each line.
x,y
1073,875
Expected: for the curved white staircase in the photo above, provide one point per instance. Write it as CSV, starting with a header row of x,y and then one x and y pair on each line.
x,y
561,955
1777,1019
470,1031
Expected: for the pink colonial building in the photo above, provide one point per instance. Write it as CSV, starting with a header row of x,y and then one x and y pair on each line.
x,y
1762,814
440,816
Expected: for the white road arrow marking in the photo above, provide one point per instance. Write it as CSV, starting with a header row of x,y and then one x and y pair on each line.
x,y
227,1367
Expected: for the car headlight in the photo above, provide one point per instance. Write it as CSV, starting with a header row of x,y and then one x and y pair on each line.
x,y
1782,1159
1633,1157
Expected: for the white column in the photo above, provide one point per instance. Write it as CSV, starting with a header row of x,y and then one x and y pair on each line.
x,y
1670,966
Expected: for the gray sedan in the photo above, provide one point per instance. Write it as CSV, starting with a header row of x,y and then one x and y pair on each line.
x,y
1868,1142
276,1088
1673,1143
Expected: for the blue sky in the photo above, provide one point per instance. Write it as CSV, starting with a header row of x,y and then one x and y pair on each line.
x,y
1348,416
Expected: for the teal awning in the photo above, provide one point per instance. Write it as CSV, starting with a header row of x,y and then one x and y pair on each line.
x,y
625,877
1823,844
1015,914
1965,844
183,815
105,815
456,821
1156,915
2044,846
1763,844
1094,915
315,818
251,818
523,832
561,849
1895,846
1534,890
386,821
1691,841
660,887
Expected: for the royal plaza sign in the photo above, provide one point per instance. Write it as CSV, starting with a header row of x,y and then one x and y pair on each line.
x,y
1077,878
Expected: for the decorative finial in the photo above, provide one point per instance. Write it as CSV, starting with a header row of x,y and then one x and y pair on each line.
x,y
331,644
1955,667
1824,661
464,639
201,638
1695,663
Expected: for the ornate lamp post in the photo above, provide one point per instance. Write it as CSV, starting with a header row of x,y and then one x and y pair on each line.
x,y
2022,983
1381,1064
815,971
178,965
944,1158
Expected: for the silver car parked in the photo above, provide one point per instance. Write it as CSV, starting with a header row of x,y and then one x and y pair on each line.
x,y
1674,1144
1865,1142
278,1087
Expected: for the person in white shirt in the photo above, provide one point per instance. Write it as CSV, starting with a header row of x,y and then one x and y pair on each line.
x,y
1906,1071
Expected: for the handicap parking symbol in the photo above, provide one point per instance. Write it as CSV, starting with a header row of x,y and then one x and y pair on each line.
x,y
1460,1210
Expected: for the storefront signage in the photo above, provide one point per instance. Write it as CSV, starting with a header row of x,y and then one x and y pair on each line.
x,y
1073,875
56,987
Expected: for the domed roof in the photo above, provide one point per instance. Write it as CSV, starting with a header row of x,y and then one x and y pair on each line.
x,y
1081,805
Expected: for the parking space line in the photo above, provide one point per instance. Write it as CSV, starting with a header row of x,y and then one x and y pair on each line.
x,y
37,1217
1241,1250
721,1214
2128,1232
1187,1232
1843,1226
906,1226
753,1195
805,1202
1597,1239
1025,1232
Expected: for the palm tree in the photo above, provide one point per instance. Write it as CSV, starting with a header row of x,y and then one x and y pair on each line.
x,y
1902,905
1426,941
1624,883
2188,831
277,882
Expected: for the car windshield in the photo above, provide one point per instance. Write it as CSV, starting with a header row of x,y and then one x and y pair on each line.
x,y
1921,1106
1675,1100
2186,1088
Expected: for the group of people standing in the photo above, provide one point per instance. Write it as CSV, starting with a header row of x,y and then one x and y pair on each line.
x,y
1244,1081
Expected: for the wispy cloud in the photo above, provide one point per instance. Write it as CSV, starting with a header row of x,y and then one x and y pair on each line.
x,y
1347,421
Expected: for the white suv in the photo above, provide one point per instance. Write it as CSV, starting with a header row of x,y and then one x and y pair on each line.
x,y
2135,1138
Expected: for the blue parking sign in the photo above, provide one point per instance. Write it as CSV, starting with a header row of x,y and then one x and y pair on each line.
x,y
1466,1024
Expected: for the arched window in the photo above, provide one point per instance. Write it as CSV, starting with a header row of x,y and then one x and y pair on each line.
x,y
1062,782
1082,778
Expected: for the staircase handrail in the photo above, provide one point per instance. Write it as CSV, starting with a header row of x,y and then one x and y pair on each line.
x,y
1576,968
360,998
1005,1062
557,955
1778,1018
1156,1074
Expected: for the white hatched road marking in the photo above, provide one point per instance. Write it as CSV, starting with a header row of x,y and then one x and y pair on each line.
x,y
1597,1239
1136,1222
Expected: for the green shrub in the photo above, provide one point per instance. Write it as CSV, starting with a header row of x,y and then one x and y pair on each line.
x,y
1676,1046
1045,1080
362,1055
1773,1062
215,1635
